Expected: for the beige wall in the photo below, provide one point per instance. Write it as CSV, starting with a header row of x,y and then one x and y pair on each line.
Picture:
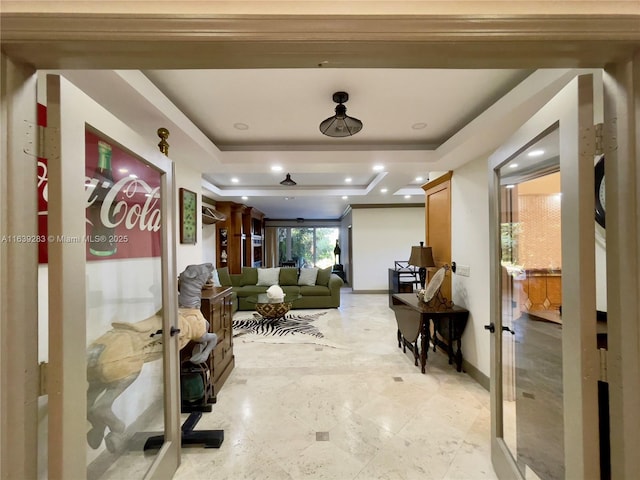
x,y
381,236
470,247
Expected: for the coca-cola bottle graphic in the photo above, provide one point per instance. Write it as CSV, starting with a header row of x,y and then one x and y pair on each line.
x,y
101,238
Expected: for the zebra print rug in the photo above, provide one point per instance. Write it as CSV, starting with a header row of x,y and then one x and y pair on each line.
x,y
291,324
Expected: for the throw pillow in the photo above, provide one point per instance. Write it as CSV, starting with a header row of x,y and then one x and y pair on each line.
x,y
268,276
215,278
324,274
308,276
223,275
288,276
249,276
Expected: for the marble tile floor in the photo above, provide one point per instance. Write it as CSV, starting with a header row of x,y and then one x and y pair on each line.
x,y
357,409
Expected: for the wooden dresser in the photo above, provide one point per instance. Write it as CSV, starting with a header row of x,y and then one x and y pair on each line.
x,y
216,308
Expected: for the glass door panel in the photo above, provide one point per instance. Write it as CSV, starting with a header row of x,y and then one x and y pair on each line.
x,y
325,240
302,246
308,246
113,375
123,302
531,264
543,319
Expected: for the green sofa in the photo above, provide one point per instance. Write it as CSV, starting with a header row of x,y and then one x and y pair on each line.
x,y
324,294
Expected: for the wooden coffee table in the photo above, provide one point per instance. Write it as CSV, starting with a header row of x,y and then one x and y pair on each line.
x,y
271,309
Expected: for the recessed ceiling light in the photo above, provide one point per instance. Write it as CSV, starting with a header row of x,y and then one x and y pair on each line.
x,y
378,168
244,197
535,153
241,126
513,165
276,168
235,180
419,126
344,197
407,196
123,170
383,190
419,179
348,179
133,175
510,186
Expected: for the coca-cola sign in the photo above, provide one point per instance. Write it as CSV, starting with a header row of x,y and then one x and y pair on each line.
x,y
122,196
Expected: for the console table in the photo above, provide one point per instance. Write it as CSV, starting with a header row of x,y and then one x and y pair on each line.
x,y
414,318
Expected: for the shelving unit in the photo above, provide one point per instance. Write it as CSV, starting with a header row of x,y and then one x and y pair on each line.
x,y
255,238
240,237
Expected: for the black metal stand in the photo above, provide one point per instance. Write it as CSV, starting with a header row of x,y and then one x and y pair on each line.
x,y
206,438
440,302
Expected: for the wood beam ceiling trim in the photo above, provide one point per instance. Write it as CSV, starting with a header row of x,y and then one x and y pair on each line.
x,y
310,28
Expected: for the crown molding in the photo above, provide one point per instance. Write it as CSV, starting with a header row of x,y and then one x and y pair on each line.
x,y
147,41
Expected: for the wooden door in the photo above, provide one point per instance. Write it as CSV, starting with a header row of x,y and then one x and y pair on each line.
x,y
438,226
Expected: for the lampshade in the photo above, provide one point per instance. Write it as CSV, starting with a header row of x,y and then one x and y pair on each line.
x,y
288,181
341,124
421,256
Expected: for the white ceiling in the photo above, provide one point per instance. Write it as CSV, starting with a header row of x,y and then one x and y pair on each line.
x,y
283,107
279,110
468,113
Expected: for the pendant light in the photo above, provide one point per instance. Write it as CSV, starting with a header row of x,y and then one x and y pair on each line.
x,y
340,125
288,182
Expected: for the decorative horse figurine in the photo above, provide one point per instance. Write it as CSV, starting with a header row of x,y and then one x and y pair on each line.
x,y
115,359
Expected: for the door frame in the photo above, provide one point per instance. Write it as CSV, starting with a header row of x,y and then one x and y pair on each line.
x,y
457,39
572,111
19,371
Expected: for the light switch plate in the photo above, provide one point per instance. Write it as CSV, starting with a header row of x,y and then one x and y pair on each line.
x,y
463,270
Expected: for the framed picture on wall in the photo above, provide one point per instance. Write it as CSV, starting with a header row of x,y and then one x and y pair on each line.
x,y
188,218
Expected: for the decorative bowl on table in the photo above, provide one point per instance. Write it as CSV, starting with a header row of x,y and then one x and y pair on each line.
x,y
273,310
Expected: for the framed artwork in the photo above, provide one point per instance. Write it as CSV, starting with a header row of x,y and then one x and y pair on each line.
x,y
188,217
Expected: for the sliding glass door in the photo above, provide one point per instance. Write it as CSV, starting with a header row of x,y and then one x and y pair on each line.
x,y
307,246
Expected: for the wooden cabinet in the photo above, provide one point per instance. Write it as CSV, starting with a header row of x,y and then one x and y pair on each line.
x,y
240,237
438,226
253,221
216,307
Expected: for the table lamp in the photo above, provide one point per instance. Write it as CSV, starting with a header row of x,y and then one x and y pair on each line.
x,y
421,257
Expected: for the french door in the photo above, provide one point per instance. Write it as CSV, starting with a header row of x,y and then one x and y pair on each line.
x,y
111,275
544,356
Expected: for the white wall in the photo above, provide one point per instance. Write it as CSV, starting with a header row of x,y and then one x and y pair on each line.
x,y
380,237
209,243
601,268
345,260
470,247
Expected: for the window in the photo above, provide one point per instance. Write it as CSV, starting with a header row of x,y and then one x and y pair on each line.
x,y
307,246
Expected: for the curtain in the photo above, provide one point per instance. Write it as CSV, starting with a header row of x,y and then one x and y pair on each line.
x,y
271,247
